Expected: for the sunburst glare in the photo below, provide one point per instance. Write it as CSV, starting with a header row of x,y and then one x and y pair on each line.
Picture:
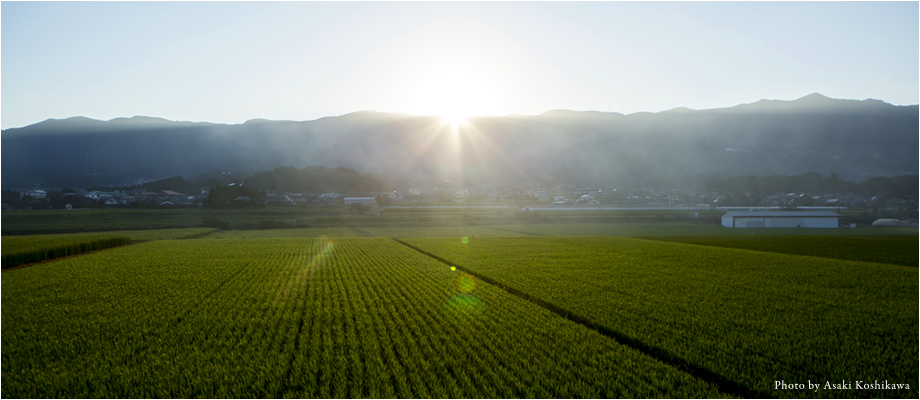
x,y
454,93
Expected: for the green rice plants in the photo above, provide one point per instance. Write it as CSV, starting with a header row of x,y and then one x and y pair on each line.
x,y
748,317
19,250
163,234
349,317
886,249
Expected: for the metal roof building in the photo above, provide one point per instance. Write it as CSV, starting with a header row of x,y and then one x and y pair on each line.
x,y
367,201
780,219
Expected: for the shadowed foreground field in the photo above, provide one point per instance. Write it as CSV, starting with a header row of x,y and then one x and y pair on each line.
x,y
20,250
885,249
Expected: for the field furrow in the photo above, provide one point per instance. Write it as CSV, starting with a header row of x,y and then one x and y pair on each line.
x,y
753,318
304,318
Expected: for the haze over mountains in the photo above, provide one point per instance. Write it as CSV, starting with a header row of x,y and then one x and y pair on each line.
x,y
854,139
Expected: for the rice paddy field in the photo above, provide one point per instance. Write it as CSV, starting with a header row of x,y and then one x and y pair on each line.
x,y
362,317
484,311
32,249
886,249
285,233
742,315
450,231
147,235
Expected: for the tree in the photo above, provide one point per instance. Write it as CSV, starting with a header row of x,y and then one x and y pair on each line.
x,y
225,196
359,208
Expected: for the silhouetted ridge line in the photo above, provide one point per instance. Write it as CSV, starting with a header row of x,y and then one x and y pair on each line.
x,y
856,140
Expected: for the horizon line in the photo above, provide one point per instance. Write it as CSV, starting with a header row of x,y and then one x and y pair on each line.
x,y
256,119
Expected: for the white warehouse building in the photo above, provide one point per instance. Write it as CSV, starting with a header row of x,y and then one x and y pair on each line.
x,y
780,219
366,201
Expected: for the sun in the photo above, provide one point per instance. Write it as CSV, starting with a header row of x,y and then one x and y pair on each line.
x,y
454,119
454,93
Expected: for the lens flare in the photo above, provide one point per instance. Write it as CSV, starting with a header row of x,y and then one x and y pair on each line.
x,y
465,304
465,240
318,254
466,284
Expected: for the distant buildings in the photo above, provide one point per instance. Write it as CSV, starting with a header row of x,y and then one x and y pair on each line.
x,y
538,195
34,194
364,201
895,223
780,219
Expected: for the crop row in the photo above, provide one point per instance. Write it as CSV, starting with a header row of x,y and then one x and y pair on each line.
x,y
147,235
886,249
361,317
336,231
69,324
753,318
19,250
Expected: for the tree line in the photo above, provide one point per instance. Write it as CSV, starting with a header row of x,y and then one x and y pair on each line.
x,y
901,186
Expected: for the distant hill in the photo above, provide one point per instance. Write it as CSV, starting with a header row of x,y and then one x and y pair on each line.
x,y
854,139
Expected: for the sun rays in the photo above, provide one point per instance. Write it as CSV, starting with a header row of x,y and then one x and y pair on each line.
x,y
462,152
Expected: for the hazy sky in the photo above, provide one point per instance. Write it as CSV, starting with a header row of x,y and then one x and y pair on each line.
x,y
230,62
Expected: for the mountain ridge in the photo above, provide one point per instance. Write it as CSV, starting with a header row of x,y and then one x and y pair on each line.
x,y
856,139
811,98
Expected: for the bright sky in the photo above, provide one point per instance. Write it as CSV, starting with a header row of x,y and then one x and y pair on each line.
x,y
231,61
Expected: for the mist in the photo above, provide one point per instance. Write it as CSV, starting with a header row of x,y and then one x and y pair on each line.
x,y
856,140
